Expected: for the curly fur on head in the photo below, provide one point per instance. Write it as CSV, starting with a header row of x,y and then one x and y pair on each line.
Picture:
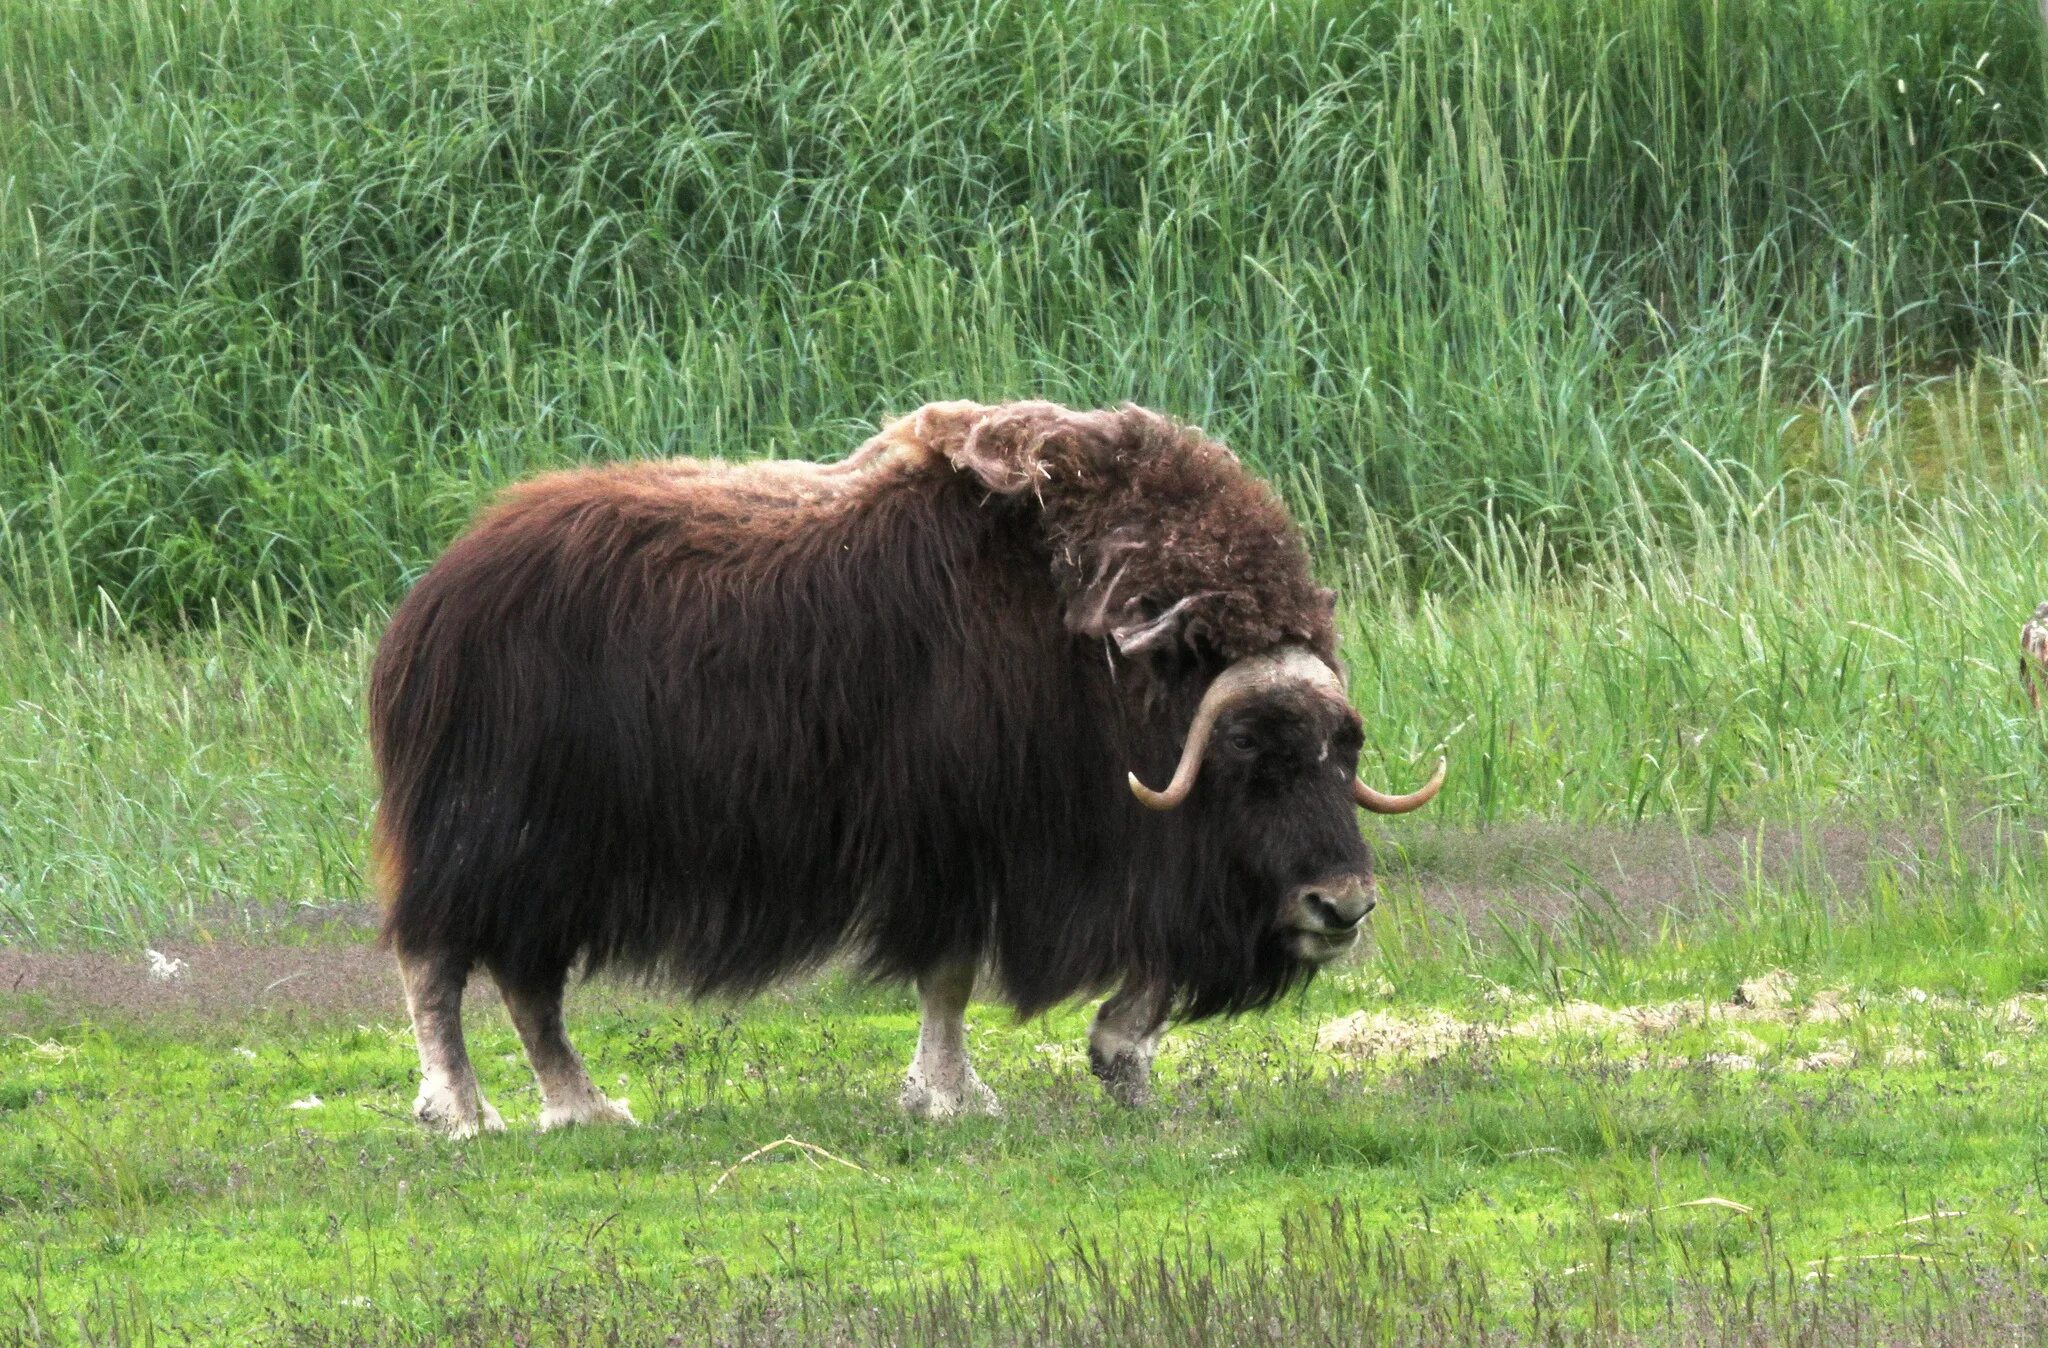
x,y
1158,534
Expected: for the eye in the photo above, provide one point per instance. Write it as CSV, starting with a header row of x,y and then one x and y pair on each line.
x,y
1241,742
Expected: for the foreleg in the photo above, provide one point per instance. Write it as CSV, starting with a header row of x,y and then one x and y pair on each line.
x,y
941,1082
1125,1038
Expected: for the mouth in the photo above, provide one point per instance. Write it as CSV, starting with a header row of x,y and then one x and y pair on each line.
x,y
1320,947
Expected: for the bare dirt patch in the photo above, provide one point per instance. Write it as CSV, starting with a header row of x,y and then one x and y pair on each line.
x,y
225,982
218,981
1642,877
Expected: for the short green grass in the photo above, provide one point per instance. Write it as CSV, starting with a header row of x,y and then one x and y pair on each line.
x,y
157,1172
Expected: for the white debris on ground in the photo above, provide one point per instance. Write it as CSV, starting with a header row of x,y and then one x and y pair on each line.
x,y
1767,1000
1727,1062
2018,1013
1381,1035
46,1050
1742,1041
1770,991
310,1102
1060,1055
1831,1005
163,968
1572,1018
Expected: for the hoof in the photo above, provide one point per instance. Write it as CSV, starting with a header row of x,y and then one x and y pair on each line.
x,y
1126,1078
454,1114
593,1108
922,1099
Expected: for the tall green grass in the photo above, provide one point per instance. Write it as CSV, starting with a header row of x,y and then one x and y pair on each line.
x,y
1815,647
287,285
1574,1185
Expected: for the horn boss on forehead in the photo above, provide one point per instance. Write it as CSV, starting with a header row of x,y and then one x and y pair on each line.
x,y
1249,680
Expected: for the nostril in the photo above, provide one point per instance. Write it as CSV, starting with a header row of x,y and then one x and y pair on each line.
x,y
1337,914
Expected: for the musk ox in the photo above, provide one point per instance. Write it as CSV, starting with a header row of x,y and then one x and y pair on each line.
x,y
714,723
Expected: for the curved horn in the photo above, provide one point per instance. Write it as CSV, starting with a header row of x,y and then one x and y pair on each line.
x,y
1381,803
1250,677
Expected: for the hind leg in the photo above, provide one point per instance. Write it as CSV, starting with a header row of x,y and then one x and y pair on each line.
x,y
566,1093
941,1083
448,1100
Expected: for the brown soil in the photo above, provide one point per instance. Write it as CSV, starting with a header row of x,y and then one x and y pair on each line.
x,y
329,979
1638,879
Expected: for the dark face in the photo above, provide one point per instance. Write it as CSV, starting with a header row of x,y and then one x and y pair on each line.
x,y
1277,782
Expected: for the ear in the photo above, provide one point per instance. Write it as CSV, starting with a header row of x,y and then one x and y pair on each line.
x,y
1013,447
1144,634
1136,623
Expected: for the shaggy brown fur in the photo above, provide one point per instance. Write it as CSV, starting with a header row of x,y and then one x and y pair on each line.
x,y
715,722
1138,510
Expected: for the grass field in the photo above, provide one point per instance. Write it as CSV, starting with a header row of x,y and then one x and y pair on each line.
x,y
1592,1139
1660,383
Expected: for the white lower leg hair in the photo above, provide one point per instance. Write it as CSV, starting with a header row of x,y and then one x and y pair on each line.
x,y
449,1100
567,1094
941,1082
